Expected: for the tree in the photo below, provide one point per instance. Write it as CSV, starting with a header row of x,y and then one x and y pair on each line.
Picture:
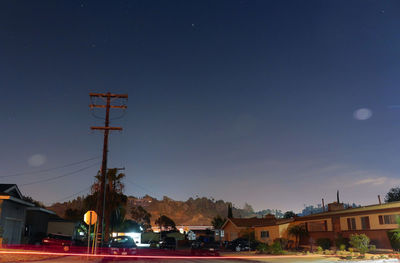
x,y
115,199
230,213
217,222
33,201
298,231
165,222
74,214
289,214
140,215
393,195
129,226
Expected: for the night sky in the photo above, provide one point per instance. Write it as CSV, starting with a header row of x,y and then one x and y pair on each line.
x,y
246,101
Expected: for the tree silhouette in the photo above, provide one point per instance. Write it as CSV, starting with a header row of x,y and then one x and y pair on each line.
x,y
298,231
165,222
140,215
217,222
289,214
393,195
230,213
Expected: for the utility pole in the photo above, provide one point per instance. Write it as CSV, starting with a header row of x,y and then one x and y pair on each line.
x,y
106,128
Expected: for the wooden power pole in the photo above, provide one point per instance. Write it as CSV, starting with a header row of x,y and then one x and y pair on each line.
x,y
106,128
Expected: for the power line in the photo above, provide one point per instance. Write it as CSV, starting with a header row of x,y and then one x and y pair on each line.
x,y
142,187
60,176
50,169
65,198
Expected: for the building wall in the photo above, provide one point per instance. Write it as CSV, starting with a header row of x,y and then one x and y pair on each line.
x,y
231,232
36,222
273,233
373,221
12,219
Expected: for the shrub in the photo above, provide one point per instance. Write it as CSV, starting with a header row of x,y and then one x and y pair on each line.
x,y
372,248
276,248
340,240
325,243
351,250
360,242
262,248
342,247
394,237
319,250
283,241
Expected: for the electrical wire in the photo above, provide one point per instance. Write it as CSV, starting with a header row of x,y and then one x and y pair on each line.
x,y
65,198
61,176
143,188
50,169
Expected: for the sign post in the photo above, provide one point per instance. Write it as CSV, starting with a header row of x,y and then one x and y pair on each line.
x,y
90,218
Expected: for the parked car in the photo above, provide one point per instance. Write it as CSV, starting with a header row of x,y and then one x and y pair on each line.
x,y
122,245
57,241
205,246
242,244
168,243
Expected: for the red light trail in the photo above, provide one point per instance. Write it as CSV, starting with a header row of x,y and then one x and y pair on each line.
x,y
150,256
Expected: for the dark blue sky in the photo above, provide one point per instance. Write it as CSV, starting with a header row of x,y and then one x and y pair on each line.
x,y
240,100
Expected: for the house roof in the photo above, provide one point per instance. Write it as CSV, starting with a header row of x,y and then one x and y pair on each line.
x,y
4,187
11,189
354,211
251,222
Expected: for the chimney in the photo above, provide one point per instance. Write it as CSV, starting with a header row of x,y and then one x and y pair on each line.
x,y
379,199
323,205
337,196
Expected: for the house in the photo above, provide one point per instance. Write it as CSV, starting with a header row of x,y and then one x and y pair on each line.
x,y
270,231
237,227
372,220
37,220
12,213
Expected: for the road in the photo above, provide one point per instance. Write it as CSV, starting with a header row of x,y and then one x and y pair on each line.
x,y
72,259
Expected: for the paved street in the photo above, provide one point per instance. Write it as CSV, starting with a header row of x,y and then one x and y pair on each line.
x,y
196,260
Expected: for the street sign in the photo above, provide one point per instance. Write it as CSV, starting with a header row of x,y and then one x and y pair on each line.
x,y
90,217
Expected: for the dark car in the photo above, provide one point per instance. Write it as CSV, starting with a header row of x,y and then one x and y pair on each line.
x,y
168,243
242,244
122,245
57,241
205,246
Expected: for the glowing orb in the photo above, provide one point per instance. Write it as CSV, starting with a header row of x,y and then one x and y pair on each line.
x,y
37,160
362,114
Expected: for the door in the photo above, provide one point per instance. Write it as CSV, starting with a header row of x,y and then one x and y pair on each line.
x,y
12,231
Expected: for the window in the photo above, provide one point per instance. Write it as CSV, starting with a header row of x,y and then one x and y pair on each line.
x,y
317,226
388,219
351,223
365,222
264,234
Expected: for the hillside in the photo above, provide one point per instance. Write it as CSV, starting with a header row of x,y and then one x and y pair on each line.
x,y
198,211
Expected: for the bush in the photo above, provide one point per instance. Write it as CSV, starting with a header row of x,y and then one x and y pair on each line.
x,y
283,241
276,248
340,240
342,247
394,237
372,248
319,250
262,248
360,242
325,243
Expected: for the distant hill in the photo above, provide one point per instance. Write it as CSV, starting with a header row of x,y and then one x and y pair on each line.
x,y
194,211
